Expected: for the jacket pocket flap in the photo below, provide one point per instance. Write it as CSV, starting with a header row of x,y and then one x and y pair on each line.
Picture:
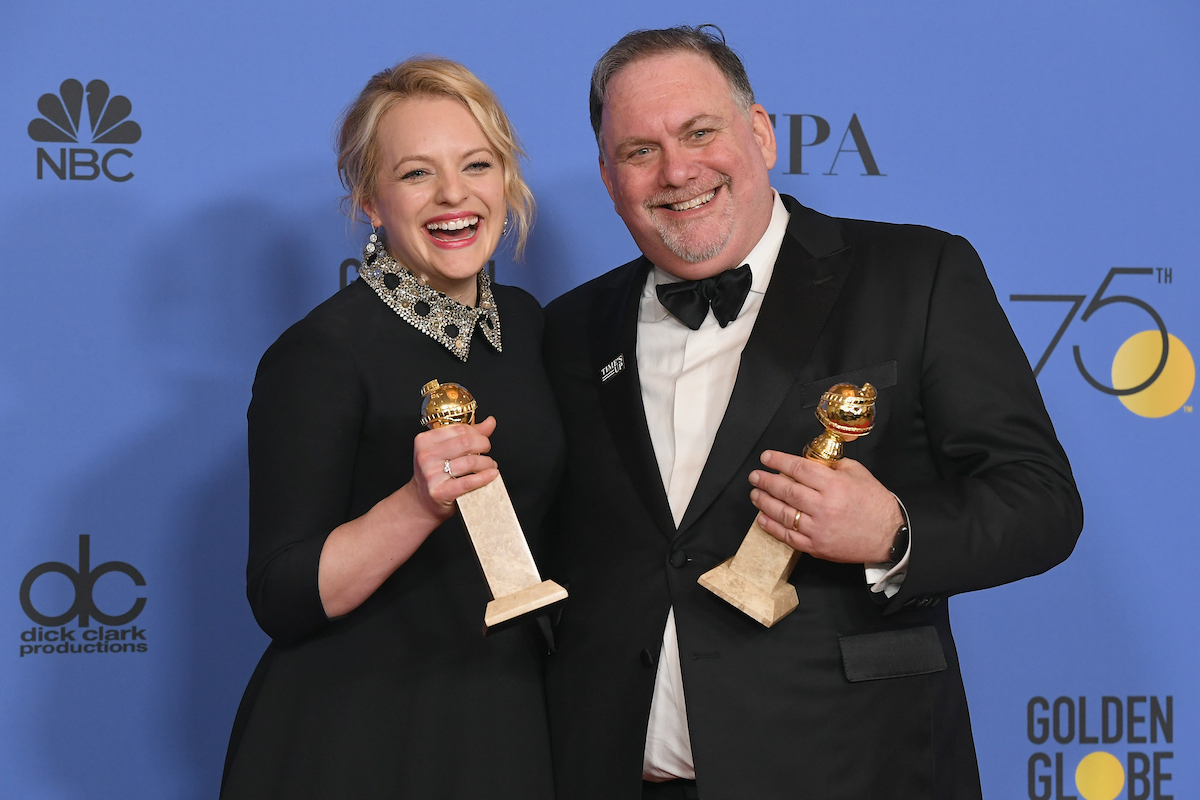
x,y
881,376
892,654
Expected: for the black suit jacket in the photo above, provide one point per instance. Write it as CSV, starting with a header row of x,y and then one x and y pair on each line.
x,y
848,696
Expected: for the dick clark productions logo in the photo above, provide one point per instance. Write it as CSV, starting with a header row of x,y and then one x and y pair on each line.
x,y
115,634
107,123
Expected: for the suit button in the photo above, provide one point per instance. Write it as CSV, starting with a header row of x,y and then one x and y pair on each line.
x,y
678,559
647,658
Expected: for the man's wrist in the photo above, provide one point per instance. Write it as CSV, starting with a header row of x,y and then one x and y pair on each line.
x,y
899,544
901,539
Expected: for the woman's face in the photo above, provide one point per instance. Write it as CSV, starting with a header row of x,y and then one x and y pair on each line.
x,y
440,193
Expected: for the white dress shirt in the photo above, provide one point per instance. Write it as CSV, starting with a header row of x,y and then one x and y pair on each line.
x,y
687,378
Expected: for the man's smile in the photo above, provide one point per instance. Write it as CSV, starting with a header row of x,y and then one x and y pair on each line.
x,y
684,200
695,202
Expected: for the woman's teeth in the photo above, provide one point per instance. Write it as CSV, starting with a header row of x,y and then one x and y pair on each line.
x,y
453,224
695,202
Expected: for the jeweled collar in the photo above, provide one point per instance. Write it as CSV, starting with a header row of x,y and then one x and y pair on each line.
x,y
439,317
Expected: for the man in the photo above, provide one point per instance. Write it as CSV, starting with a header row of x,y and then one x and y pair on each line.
x,y
677,394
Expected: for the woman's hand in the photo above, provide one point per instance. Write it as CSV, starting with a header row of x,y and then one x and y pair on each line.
x,y
361,554
449,461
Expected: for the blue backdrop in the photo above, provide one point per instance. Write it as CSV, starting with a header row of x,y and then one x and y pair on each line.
x,y
146,267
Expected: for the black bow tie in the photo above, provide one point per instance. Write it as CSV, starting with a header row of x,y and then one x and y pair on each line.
x,y
725,293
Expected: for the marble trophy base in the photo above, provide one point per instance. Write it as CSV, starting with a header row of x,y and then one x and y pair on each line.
x,y
755,580
517,587
510,609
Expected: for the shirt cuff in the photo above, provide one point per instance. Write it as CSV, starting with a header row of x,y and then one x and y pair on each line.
x,y
884,576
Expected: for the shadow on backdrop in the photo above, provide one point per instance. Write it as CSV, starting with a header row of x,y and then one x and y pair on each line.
x,y
174,496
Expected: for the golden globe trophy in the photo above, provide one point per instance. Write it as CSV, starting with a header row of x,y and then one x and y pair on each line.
x,y
755,580
500,545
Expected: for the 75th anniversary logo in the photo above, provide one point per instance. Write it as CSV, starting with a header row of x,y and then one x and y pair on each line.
x,y
54,634
1152,372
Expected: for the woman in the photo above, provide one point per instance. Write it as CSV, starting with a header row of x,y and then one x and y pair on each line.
x,y
378,682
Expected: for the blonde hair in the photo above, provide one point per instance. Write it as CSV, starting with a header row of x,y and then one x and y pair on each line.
x,y
429,76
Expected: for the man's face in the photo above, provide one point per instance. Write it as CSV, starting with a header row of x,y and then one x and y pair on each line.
x,y
685,166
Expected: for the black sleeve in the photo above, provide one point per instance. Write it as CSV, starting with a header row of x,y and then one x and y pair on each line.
x,y
304,424
1007,506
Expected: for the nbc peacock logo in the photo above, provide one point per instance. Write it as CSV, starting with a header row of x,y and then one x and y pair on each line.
x,y
107,123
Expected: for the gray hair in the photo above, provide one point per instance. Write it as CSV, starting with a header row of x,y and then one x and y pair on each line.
x,y
637,45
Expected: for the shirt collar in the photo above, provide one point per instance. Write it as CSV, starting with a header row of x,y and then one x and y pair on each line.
x,y
761,260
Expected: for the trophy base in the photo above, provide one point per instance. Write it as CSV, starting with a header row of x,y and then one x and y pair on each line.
x,y
503,612
766,608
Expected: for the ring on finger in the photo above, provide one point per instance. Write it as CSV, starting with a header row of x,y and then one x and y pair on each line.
x,y
796,522
446,468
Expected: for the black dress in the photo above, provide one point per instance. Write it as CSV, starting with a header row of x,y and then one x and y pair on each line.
x,y
403,697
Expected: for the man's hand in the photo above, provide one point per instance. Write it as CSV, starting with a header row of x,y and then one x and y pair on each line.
x,y
845,514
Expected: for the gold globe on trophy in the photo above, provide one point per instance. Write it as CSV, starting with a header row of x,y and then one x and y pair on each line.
x,y
755,580
446,404
500,545
847,413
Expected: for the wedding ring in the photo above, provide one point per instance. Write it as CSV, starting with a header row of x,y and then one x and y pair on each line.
x,y
795,522
446,469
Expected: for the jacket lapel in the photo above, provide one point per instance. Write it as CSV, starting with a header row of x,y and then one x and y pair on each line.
x,y
613,336
809,274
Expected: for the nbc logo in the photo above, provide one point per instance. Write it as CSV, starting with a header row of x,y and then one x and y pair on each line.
x,y
108,123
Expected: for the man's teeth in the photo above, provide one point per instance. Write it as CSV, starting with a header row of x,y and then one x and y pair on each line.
x,y
453,224
695,202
